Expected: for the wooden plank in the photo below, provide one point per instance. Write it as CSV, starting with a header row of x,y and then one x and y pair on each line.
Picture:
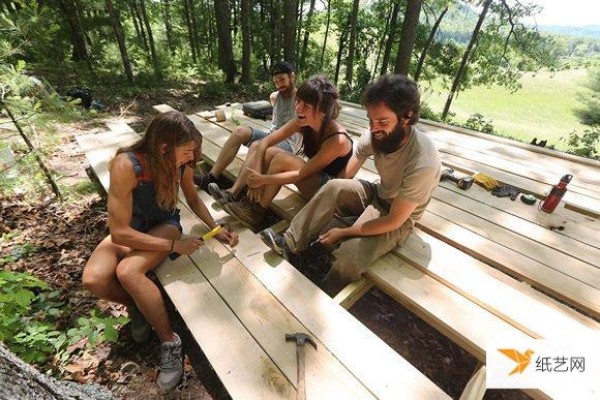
x,y
353,292
267,320
372,361
539,316
576,226
242,365
475,389
162,108
516,244
528,230
100,148
563,286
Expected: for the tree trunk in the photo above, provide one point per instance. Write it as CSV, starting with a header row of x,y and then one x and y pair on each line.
x,y
155,63
436,26
299,22
408,36
118,28
245,19
190,29
20,380
137,18
465,59
390,39
79,45
385,33
209,28
289,30
307,28
352,45
195,34
341,46
226,61
276,39
326,33
168,26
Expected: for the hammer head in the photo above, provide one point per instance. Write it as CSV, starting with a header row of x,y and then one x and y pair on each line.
x,y
300,338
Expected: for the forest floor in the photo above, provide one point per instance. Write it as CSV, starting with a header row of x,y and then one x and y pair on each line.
x,y
65,235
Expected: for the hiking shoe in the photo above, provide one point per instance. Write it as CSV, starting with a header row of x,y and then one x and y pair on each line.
x,y
221,196
248,213
171,365
274,240
203,179
141,330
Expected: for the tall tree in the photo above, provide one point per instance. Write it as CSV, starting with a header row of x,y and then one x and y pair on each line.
x,y
277,30
326,34
289,30
80,51
226,60
155,62
390,38
352,44
307,29
139,23
429,41
245,17
465,58
187,17
408,36
168,26
118,29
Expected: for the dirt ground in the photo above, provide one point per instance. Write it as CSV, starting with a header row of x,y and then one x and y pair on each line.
x,y
71,231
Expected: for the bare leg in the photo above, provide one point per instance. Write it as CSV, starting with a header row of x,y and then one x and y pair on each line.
x,y
99,274
131,273
280,162
253,163
240,136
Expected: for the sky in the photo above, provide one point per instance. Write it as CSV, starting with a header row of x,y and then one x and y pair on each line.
x,y
568,12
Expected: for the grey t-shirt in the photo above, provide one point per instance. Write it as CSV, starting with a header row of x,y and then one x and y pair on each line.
x,y
283,111
412,172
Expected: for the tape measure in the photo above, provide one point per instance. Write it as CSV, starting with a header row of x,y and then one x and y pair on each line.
x,y
528,199
215,231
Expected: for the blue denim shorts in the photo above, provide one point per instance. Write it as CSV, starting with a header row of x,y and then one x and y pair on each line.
x,y
258,134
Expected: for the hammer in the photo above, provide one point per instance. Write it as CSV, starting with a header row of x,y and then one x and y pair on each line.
x,y
300,339
463,183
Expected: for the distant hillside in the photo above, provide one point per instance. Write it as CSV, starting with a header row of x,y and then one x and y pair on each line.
x,y
590,31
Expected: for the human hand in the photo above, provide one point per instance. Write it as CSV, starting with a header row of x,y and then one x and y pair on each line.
x,y
332,236
188,245
254,194
228,237
255,179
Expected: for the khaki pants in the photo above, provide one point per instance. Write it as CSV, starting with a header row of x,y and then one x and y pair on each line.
x,y
351,201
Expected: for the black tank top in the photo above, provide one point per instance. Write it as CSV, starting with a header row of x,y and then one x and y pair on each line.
x,y
312,147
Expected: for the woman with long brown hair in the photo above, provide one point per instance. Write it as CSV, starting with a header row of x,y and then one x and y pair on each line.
x,y
326,145
145,228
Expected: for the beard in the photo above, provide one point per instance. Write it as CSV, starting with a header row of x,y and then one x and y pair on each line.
x,y
391,142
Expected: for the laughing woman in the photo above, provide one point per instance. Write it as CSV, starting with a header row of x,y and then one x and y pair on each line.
x,y
326,145
145,227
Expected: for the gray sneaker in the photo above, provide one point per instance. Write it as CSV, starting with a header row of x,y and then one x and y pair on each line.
x,y
141,330
221,196
248,213
274,240
171,365
277,243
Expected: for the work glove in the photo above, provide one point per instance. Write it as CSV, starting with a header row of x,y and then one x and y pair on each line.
x,y
506,191
485,181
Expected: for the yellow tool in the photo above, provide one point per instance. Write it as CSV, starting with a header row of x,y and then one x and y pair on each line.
x,y
216,230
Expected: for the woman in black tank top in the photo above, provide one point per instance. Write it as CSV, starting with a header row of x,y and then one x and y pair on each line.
x,y
326,146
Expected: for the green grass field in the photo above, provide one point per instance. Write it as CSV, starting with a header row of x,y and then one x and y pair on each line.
x,y
543,108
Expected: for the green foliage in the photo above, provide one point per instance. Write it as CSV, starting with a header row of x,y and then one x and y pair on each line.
x,y
590,113
478,122
586,145
30,316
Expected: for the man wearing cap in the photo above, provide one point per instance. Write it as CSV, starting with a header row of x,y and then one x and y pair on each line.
x,y
283,75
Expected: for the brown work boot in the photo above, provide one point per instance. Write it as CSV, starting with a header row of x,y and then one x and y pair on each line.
x,y
248,213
